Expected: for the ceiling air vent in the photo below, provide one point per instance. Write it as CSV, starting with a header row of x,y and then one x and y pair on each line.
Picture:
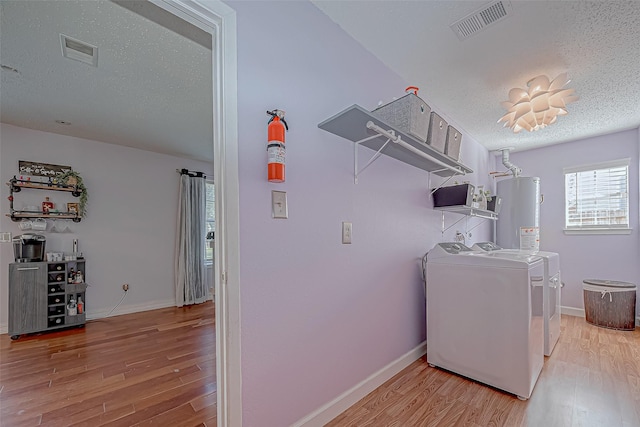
x,y
79,50
482,18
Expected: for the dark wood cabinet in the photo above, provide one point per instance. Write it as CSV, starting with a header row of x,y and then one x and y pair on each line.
x,y
40,293
27,297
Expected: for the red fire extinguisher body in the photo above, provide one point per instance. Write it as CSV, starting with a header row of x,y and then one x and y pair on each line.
x,y
276,150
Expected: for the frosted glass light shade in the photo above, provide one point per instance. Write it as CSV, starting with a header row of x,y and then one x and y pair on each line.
x,y
539,104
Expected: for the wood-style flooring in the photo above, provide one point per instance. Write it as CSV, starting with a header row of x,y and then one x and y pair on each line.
x,y
158,368
592,379
151,368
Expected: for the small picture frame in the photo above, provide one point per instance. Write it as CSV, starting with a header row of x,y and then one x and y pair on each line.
x,y
73,208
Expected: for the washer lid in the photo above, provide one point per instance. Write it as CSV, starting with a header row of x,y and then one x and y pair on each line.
x,y
551,259
608,283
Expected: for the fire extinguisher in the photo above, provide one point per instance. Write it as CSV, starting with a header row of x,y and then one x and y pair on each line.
x,y
275,145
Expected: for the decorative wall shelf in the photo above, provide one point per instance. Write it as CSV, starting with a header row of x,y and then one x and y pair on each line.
x,y
363,128
16,185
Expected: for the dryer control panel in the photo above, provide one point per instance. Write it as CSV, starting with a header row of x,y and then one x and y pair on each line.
x,y
453,248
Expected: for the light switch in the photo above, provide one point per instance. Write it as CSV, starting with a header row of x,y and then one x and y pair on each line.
x,y
346,233
5,237
279,204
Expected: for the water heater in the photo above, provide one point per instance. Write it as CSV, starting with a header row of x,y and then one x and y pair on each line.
x,y
518,225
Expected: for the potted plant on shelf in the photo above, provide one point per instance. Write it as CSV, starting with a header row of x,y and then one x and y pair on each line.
x,y
73,179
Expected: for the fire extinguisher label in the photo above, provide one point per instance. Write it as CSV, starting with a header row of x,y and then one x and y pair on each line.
x,y
276,153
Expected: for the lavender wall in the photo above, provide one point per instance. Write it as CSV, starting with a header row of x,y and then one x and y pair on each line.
x,y
613,257
128,235
318,317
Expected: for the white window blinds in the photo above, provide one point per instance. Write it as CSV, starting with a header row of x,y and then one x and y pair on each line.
x,y
597,196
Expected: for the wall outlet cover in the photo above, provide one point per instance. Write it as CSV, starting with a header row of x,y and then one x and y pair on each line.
x,y
5,237
347,229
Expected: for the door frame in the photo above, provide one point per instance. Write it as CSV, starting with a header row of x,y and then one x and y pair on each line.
x,y
218,19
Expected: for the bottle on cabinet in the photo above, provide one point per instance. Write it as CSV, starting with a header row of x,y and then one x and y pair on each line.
x,y
80,305
72,307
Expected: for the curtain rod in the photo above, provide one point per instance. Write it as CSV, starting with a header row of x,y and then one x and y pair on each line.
x,y
191,173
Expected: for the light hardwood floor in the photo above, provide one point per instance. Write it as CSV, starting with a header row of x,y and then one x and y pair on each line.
x,y
592,379
150,368
158,368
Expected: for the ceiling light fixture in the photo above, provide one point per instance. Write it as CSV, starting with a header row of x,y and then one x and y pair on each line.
x,y
539,105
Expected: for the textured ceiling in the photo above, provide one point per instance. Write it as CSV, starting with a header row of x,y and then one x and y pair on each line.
x,y
152,88
596,42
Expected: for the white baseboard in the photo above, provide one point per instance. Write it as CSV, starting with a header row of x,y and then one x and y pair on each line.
x,y
579,312
332,409
124,309
571,311
128,309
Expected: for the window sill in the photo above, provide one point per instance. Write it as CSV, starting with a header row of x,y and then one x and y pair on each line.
x,y
599,231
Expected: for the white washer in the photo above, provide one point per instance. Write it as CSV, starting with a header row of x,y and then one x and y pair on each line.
x,y
551,290
481,318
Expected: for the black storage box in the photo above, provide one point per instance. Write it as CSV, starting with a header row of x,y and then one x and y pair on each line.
x,y
494,204
454,195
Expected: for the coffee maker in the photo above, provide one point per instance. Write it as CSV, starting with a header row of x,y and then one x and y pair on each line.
x,y
29,248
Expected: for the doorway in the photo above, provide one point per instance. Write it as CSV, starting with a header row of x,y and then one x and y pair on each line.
x,y
219,20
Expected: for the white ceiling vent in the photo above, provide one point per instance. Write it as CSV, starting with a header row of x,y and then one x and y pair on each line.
x,y
79,50
482,18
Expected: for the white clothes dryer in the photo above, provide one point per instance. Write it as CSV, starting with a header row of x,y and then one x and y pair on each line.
x,y
482,321
551,290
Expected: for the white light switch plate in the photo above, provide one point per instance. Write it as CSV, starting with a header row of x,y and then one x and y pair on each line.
x,y
279,204
5,237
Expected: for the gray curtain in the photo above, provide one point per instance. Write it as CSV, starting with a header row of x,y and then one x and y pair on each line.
x,y
191,286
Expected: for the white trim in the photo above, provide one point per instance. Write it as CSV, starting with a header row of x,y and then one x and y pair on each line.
x,y
598,231
219,19
123,309
579,312
596,166
129,309
332,409
571,311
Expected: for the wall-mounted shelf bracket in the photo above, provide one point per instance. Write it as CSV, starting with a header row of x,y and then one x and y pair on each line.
x,y
442,184
466,211
378,153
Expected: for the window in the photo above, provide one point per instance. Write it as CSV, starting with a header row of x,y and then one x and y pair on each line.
x,y
210,218
597,197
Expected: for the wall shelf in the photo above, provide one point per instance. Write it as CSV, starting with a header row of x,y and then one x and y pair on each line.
x,y
469,211
363,128
466,212
16,185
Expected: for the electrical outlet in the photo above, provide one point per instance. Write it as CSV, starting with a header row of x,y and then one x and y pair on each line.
x,y
346,233
125,287
5,237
